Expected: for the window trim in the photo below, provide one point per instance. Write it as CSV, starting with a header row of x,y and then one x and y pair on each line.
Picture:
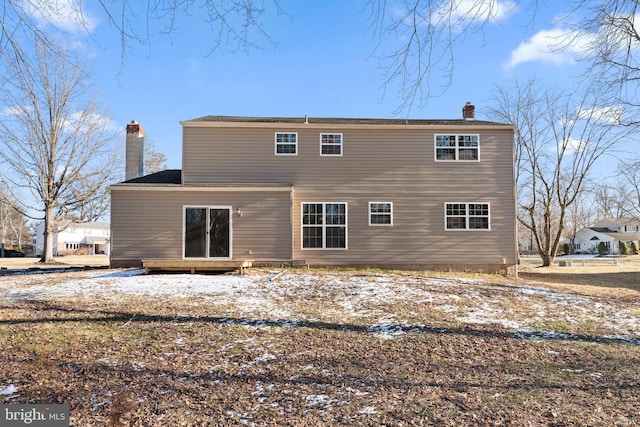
x,y
323,144
467,216
324,226
390,224
276,143
457,147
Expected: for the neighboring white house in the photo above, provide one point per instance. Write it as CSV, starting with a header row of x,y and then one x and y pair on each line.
x,y
611,231
77,238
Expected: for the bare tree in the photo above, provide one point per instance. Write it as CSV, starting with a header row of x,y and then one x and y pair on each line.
x,y
611,39
425,35
154,161
428,33
559,138
417,40
56,145
612,199
93,204
234,24
13,226
628,191
580,215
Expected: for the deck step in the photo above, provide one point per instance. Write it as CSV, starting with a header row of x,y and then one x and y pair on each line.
x,y
194,266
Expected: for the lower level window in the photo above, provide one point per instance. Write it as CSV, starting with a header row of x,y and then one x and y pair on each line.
x,y
324,225
467,216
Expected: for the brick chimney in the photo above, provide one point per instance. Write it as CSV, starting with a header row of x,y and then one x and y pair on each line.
x,y
468,111
134,151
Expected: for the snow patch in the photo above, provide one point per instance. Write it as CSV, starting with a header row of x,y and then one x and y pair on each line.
x,y
10,391
260,299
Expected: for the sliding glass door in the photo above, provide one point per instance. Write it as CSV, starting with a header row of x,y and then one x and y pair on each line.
x,y
207,232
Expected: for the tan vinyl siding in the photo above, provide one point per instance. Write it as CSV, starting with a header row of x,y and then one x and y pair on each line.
x,y
148,224
395,165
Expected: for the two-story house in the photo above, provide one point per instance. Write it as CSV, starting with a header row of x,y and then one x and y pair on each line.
x,y
76,238
323,191
610,231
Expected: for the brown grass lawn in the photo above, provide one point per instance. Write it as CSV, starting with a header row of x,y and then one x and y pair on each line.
x,y
314,350
60,262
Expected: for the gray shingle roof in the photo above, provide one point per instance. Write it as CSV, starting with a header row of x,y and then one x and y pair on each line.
x,y
338,121
169,176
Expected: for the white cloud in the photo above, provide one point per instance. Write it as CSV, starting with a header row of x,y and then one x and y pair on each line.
x,y
610,115
65,15
80,119
555,47
569,146
458,14
14,111
477,10
573,145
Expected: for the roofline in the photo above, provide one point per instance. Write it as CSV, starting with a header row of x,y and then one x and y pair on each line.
x,y
344,123
241,187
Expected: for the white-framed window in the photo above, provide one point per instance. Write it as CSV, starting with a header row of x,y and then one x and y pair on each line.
x,y
381,213
457,147
324,225
466,216
331,144
286,143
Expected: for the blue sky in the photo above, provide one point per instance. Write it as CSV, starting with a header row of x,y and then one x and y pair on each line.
x,y
323,64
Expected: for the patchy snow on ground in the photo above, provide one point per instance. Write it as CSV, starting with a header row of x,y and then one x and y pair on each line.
x,y
278,298
9,392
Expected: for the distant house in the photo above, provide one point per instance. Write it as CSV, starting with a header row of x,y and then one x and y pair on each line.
x,y
77,238
324,191
611,231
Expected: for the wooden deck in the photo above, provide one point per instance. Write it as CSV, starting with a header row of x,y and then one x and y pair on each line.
x,y
194,266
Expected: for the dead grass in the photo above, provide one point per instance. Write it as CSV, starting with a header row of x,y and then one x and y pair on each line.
x,y
60,262
596,277
147,361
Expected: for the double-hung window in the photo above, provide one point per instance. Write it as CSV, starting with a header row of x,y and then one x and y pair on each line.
x,y
452,147
380,213
331,144
466,216
324,225
286,143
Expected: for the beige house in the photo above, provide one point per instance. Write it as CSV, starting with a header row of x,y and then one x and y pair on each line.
x,y
320,191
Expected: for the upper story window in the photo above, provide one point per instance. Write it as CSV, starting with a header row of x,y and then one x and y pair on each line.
x,y
287,143
380,213
466,216
454,147
331,144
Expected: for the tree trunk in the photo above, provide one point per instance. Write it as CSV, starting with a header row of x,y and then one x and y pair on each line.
x,y
547,260
47,250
